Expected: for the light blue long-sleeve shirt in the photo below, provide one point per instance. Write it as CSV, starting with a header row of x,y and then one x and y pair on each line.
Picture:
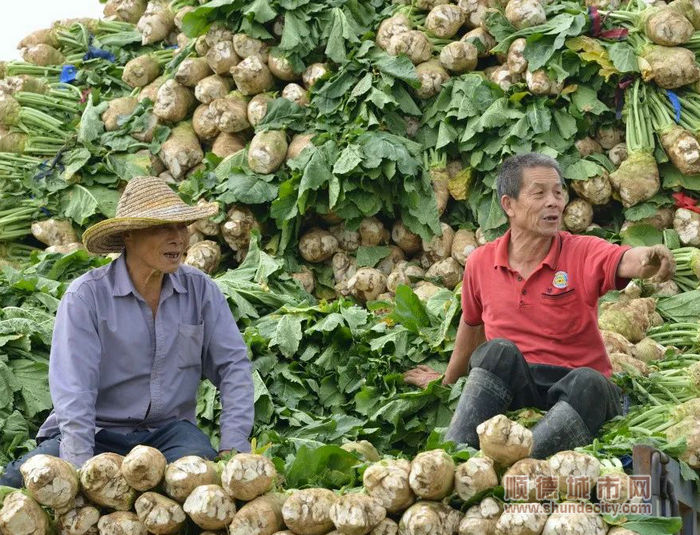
x,y
112,366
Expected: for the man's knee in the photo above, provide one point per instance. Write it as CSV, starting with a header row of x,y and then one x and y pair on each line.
x,y
588,383
11,477
184,438
495,355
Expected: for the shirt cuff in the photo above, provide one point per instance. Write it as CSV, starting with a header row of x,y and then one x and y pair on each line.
x,y
236,442
76,459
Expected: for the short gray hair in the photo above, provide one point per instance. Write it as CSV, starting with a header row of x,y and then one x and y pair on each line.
x,y
510,176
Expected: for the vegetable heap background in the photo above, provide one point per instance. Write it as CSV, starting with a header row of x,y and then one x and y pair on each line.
x,y
352,148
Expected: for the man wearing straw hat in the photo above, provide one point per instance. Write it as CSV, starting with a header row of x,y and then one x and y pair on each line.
x,y
132,340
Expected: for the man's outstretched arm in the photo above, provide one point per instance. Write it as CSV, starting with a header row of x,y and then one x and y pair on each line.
x,y
655,263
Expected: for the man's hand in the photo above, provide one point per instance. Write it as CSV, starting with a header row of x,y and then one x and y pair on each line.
x,y
657,263
421,376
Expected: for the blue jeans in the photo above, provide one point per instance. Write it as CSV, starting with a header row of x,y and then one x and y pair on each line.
x,y
174,440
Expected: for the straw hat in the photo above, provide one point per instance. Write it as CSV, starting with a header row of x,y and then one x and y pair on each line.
x,y
146,202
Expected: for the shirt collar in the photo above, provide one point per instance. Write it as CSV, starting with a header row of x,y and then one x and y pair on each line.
x,y
551,260
123,284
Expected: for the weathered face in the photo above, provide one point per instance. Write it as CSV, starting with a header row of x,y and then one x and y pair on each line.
x,y
160,248
540,205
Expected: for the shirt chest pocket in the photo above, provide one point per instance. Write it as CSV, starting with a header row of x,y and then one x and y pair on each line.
x,y
561,312
189,345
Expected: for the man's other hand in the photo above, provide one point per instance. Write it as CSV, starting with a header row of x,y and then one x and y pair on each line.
x,y
658,263
421,376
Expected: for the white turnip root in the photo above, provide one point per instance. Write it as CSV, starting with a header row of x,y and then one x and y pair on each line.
x,y
623,363
445,20
81,520
587,146
344,267
439,247
637,179
364,448
252,76
236,230
609,136
281,68
208,227
367,284
424,290
648,350
54,232
481,39
261,516
296,93
431,76
150,91
222,57
141,71
596,190
217,33
257,108
185,474
666,26
459,57
474,476
540,83
173,102
682,148
248,475
356,514
159,514
616,343
156,23
125,10
516,60
182,150
525,13
65,249
267,151
403,273
578,215
308,511
429,518
51,481
21,515
118,109
571,464
687,224
248,46
515,522
103,484
231,113
372,232
481,519
504,78
669,67
448,271
226,144
463,243
42,55
531,470
191,71
210,507
204,123
503,440
204,255
306,278
143,467
386,265
179,18
390,27
413,43
121,523
432,474
212,87
631,319
348,240
408,241
314,73
385,527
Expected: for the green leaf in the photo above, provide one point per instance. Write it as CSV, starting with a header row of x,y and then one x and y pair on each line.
x,y
80,202
581,170
398,67
248,189
586,101
370,256
409,311
128,166
654,525
91,125
287,335
74,161
35,394
326,466
623,57
641,235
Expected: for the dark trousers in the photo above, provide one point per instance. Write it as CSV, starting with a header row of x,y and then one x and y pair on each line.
x,y
588,391
174,440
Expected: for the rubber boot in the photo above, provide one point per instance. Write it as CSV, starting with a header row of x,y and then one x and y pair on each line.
x,y
561,428
485,395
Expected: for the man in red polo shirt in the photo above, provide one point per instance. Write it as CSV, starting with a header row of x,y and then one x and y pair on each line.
x,y
529,331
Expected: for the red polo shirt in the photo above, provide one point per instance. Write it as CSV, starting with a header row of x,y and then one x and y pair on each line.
x,y
552,316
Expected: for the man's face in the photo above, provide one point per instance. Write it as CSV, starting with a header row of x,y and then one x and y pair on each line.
x,y
160,248
540,205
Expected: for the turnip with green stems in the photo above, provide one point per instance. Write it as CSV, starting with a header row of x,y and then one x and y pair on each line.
x,y
141,71
474,11
246,47
648,350
687,224
21,515
578,214
608,136
143,467
221,57
267,151
185,474
669,67
444,21
531,470
204,255
46,36
307,512
525,13
625,320
261,516
81,520
306,278
474,476
226,144
587,146
348,240
481,519
503,440
282,68
121,523
159,514
414,43
103,484
42,55
182,150
252,76
314,73
248,475
481,39
173,102
54,231
210,507
431,76
236,230
502,76
429,518
204,123
156,23
432,474
661,25
390,27
689,9
459,57
515,522
439,246
296,94
448,271
539,83
118,109
367,284
564,522
26,83
125,10
191,71
356,514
